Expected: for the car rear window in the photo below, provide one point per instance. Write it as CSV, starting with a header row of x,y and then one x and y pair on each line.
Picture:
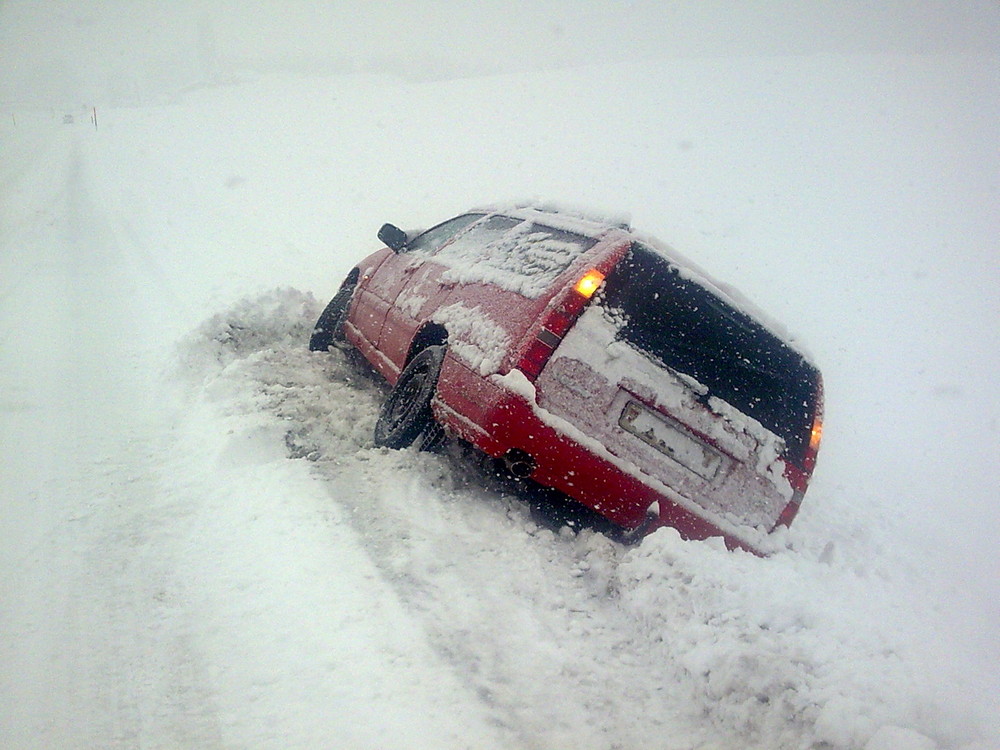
x,y
512,253
684,326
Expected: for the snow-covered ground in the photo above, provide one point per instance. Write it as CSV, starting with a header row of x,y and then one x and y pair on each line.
x,y
200,546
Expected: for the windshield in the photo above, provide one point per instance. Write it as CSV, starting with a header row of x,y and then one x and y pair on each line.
x,y
684,326
434,237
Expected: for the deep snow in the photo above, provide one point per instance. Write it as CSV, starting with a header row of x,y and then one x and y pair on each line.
x,y
201,547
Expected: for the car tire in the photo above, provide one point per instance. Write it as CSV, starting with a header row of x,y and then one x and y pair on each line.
x,y
329,329
406,418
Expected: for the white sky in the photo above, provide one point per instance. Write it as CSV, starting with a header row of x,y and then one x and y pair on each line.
x,y
61,53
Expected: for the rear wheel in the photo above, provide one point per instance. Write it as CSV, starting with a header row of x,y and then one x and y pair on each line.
x,y
329,330
406,417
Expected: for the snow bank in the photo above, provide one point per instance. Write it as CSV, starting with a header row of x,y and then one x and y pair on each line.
x,y
791,651
783,649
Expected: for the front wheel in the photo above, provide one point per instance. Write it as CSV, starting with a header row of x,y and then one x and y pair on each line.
x,y
329,330
406,414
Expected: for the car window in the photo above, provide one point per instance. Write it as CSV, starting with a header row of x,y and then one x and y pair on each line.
x,y
479,237
682,325
513,254
433,238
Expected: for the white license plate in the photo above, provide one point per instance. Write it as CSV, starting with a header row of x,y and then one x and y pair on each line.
x,y
670,439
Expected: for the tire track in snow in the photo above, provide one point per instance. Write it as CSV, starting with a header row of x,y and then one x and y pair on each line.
x,y
147,673
96,657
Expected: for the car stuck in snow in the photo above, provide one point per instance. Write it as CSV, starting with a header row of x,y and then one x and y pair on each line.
x,y
589,360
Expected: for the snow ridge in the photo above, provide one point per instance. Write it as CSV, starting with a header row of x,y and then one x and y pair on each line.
x,y
569,639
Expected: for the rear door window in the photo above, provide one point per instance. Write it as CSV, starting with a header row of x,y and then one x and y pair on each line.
x,y
513,254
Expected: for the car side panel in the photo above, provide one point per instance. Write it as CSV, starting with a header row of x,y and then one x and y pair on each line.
x,y
422,292
369,304
376,325
492,328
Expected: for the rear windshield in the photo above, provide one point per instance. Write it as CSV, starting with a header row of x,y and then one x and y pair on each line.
x,y
684,326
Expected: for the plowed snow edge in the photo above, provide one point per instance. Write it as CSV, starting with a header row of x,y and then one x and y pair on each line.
x,y
571,640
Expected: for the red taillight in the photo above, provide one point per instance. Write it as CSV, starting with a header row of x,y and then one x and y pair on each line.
x,y
798,476
535,357
558,320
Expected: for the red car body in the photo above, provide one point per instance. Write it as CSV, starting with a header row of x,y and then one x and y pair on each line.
x,y
600,364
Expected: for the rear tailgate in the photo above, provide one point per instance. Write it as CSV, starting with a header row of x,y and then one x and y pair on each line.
x,y
661,423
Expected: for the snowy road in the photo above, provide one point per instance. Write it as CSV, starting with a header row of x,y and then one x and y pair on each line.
x,y
202,548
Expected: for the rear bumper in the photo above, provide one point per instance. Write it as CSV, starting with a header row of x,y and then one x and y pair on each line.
x,y
577,465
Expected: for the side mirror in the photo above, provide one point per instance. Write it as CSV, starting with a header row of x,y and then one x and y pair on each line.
x,y
393,237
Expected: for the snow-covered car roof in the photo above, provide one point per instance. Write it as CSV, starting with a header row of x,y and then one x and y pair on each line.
x,y
584,221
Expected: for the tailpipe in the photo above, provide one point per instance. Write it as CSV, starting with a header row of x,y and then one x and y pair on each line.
x,y
519,463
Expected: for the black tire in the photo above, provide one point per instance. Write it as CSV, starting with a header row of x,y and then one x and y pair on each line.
x,y
406,418
329,330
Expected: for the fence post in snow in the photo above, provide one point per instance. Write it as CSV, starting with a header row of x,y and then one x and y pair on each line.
x,y
94,117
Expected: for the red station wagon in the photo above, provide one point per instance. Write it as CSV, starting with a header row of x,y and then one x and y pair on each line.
x,y
592,361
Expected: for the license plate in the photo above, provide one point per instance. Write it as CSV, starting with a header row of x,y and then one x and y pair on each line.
x,y
670,439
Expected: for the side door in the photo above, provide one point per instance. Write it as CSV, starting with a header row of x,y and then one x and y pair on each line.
x,y
394,289
445,273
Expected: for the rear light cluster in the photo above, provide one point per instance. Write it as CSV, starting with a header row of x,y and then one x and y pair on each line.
x,y
815,432
798,476
557,322
815,436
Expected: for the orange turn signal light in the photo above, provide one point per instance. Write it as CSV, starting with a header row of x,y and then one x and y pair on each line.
x,y
588,283
816,435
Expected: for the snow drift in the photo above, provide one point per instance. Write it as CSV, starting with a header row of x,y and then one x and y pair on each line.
x,y
201,546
